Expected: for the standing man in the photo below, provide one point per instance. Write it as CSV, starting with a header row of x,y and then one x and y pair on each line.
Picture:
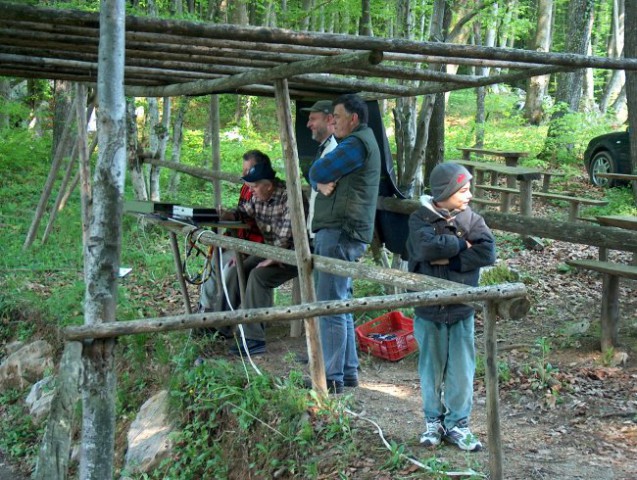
x,y
347,181
321,124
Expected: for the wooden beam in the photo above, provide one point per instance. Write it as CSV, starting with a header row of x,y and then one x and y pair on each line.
x,y
287,313
260,76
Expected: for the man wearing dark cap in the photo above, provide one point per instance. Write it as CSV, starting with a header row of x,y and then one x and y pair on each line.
x,y
268,206
347,180
321,124
448,240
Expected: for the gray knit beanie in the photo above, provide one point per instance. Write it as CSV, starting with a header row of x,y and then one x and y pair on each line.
x,y
446,179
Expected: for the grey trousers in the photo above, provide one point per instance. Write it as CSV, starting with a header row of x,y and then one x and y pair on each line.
x,y
260,285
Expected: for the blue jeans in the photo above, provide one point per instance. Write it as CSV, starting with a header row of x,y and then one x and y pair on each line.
x,y
446,366
337,331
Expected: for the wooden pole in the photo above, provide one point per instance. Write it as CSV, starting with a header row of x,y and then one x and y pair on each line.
x,y
48,186
299,230
491,385
180,272
496,293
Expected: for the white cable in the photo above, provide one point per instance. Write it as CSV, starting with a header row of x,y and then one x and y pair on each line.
x,y
227,295
466,473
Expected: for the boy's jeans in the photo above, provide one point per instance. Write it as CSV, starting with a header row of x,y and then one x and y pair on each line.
x,y
446,363
337,331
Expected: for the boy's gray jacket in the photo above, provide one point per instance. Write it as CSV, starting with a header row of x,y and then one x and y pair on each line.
x,y
433,237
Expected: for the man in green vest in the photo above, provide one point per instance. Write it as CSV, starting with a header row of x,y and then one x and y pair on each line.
x,y
347,181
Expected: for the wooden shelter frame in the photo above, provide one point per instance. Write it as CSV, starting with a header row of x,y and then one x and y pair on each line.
x,y
172,57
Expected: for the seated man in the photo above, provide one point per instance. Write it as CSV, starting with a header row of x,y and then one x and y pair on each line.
x,y
269,208
210,296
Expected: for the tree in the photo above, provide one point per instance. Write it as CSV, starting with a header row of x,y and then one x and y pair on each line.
x,y
631,84
102,249
537,86
569,84
615,83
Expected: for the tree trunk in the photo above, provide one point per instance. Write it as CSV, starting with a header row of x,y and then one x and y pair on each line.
x,y
436,144
569,85
631,85
177,141
135,166
63,92
153,127
481,92
615,49
102,251
5,91
365,27
537,86
55,450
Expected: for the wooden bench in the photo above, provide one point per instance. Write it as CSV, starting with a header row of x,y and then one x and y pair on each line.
x,y
611,272
506,192
505,197
626,222
484,202
575,202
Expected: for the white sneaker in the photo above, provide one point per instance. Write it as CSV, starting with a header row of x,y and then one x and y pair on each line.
x,y
433,435
462,438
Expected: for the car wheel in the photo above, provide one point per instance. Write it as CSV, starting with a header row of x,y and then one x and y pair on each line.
x,y
602,162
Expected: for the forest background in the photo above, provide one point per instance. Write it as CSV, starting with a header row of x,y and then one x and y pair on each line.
x,y
43,288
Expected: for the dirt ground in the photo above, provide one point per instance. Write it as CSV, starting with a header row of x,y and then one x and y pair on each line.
x,y
566,411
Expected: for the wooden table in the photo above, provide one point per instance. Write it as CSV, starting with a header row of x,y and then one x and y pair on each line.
x,y
511,159
521,174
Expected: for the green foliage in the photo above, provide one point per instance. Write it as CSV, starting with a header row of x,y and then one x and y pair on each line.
x,y
497,274
504,371
18,434
268,418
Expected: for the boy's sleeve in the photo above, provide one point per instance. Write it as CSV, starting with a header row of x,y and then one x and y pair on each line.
x,y
425,245
482,251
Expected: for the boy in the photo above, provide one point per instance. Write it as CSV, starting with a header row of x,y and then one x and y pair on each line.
x,y
448,240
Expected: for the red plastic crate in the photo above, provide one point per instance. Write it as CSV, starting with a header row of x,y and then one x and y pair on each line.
x,y
395,323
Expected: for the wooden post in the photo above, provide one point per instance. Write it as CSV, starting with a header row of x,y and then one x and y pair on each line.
x,y
526,200
573,211
180,273
610,311
296,326
491,385
301,243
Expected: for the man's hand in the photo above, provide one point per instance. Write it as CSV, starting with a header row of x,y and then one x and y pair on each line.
x,y
226,215
441,261
266,263
326,188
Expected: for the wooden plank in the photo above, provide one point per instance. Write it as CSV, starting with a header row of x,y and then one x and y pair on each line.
x,y
621,221
617,269
495,188
568,198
